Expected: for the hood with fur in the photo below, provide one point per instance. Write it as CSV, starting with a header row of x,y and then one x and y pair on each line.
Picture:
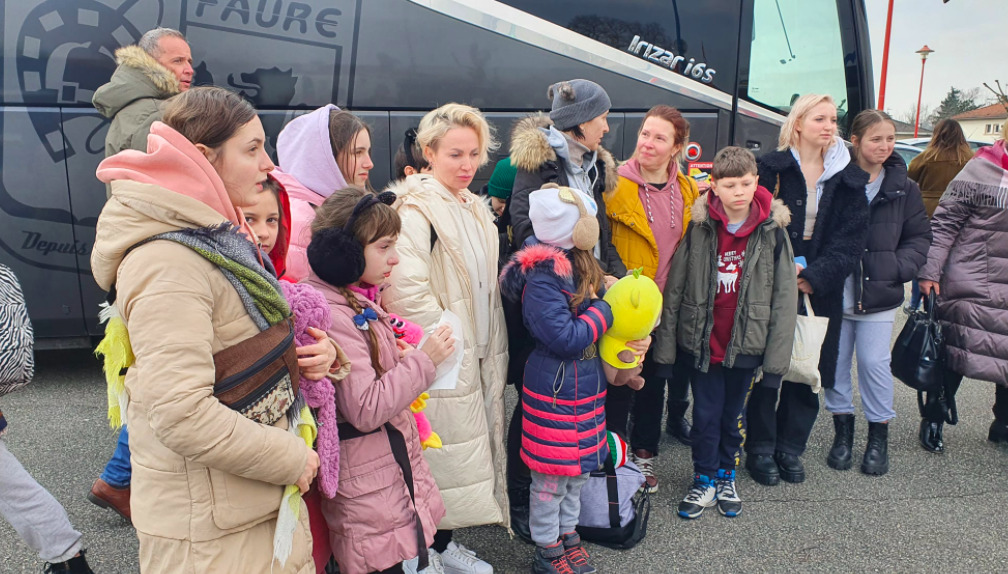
x,y
778,212
534,257
530,148
138,76
305,154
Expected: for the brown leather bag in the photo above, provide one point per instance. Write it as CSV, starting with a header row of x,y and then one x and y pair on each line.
x,y
259,376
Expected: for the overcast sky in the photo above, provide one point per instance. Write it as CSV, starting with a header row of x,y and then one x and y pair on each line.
x,y
969,37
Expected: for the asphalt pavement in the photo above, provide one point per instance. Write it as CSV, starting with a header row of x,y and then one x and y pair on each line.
x,y
930,513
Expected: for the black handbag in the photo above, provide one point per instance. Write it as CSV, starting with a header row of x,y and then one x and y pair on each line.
x,y
918,355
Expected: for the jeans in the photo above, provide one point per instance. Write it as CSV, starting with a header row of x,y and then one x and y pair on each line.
x,y
36,516
785,427
555,506
915,295
719,405
118,471
875,380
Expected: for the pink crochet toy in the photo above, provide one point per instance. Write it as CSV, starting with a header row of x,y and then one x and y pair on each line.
x,y
412,333
311,310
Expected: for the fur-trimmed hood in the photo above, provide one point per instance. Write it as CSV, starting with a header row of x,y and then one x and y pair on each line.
x,y
534,257
137,76
530,148
779,213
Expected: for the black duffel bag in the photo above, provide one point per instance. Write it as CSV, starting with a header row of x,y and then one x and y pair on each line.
x,y
918,355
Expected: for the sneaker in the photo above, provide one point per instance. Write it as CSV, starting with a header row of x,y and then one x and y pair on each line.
x,y
576,555
76,565
728,501
701,495
644,460
551,560
457,559
434,565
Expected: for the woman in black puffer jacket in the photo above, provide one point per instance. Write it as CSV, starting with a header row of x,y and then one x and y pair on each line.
x,y
812,174
899,235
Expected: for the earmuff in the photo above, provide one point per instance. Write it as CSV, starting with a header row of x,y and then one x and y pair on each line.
x,y
334,254
586,231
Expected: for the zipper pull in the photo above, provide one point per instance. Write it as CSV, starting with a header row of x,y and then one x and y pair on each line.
x,y
555,397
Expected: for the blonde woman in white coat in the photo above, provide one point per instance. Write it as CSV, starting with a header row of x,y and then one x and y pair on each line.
x,y
448,251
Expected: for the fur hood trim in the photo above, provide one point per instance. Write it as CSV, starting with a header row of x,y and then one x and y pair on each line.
x,y
535,257
162,78
779,213
530,149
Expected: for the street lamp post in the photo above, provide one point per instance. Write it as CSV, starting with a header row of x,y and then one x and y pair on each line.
x,y
924,52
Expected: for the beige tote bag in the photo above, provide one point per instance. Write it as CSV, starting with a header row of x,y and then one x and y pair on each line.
x,y
810,333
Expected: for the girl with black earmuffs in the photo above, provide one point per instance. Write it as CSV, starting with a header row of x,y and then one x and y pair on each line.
x,y
376,519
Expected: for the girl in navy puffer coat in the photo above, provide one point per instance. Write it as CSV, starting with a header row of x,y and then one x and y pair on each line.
x,y
563,426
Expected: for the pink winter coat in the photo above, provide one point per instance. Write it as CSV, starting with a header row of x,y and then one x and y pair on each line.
x,y
371,523
309,173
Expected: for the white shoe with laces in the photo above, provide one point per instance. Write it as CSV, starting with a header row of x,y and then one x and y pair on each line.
x,y
458,559
434,565
646,465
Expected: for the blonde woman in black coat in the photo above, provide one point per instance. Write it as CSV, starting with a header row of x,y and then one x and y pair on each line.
x,y
812,173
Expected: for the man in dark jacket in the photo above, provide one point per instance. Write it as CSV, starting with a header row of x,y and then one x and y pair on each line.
x,y
157,68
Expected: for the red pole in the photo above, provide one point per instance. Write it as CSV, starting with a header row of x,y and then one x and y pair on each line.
x,y
885,58
919,92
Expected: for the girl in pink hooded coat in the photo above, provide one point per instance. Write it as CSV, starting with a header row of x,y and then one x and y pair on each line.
x,y
318,153
387,506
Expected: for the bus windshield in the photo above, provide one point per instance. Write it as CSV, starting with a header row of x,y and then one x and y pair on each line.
x,y
796,50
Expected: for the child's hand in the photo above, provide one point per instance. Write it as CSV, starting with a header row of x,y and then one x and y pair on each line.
x,y
311,469
315,360
640,346
440,345
609,281
804,286
404,348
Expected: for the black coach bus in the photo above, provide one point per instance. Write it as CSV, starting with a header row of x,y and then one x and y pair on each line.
x,y
732,66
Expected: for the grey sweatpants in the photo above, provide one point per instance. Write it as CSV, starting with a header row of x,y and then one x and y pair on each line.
x,y
870,339
554,506
34,513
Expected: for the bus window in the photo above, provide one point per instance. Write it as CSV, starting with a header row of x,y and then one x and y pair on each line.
x,y
698,40
796,50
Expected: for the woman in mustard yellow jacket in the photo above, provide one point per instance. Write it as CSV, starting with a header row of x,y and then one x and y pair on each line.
x,y
648,213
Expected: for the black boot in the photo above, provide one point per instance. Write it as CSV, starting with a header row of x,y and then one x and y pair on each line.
x,y
843,442
679,428
791,467
876,454
762,469
518,497
931,436
998,431
76,565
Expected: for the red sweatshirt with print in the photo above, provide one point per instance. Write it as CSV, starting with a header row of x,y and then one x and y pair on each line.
x,y
730,259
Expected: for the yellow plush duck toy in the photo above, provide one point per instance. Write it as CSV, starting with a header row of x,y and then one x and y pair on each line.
x,y
636,304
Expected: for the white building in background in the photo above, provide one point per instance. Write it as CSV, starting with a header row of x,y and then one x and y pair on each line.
x,y
983,124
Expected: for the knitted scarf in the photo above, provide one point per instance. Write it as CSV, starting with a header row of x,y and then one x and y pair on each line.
x,y
311,310
984,180
259,291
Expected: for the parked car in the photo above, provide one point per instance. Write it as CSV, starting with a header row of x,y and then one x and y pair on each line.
x,y
921,143
908,152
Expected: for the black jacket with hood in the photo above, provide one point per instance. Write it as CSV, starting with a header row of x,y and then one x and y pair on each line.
x,y
838,238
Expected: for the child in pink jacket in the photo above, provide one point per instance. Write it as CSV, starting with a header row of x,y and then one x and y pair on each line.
x,y
387,506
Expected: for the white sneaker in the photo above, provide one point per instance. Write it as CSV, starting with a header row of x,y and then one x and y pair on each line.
x,y
434,565
646,467
457,559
